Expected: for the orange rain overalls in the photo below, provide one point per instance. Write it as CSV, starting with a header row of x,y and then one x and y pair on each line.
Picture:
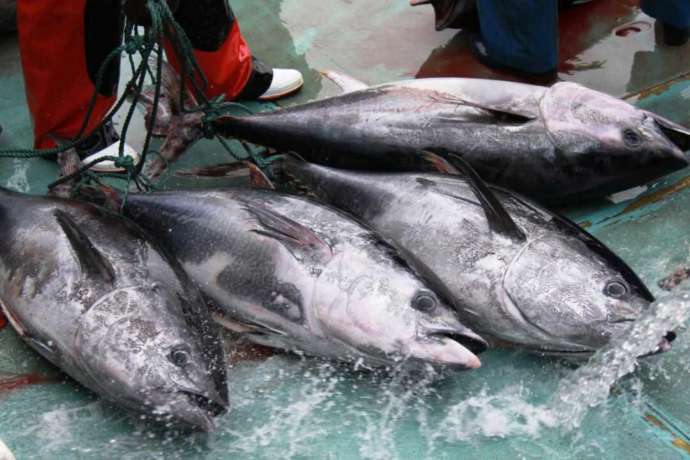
x,y
63,44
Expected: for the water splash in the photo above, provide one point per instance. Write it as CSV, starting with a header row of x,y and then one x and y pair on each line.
x,y
511,412
589,386
19,181
518,406
400,395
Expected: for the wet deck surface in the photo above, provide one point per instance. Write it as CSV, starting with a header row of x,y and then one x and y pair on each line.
x,y
284,407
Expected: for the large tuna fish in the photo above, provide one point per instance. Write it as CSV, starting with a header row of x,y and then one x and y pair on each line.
x,y
87,290
556,144
297,275
516,272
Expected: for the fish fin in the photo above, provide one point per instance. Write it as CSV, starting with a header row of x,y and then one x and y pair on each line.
x,y
47,347
678,134
439,164
164,112
14,322
347,83
257,177
236,169
299,240
499,219
91,261
241,326
504,114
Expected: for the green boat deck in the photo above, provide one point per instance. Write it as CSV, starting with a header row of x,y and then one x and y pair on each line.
x,y
287,407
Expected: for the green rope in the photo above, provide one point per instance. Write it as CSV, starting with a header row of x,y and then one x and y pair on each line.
x,y
163,26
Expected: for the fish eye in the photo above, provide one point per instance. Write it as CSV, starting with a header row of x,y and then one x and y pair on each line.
x,y
179,357
615,289
632,138
424,301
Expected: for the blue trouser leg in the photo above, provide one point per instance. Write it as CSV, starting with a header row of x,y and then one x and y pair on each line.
x,y
522,34
673,12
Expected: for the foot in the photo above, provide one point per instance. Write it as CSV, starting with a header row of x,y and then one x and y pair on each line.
x,y
104,143
284,83
673,36
113,150
480,52
453,14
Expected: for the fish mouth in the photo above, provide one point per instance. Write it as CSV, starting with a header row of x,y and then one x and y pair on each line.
x,y
205,403
196,411
450,347
471,341
663,346
677,134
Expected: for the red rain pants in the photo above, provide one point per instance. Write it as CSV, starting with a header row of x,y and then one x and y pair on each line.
x,y
64,42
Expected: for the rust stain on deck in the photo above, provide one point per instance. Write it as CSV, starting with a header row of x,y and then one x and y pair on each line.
x,y
658,89
658,195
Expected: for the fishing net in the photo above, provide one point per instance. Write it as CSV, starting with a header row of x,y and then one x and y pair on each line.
x,y
143,46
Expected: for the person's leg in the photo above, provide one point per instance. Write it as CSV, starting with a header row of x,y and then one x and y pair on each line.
x,y
520,35
223,54
675,17
63,44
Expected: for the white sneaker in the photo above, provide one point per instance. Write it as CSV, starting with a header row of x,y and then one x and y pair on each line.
x,y
112,150
5,453
284,83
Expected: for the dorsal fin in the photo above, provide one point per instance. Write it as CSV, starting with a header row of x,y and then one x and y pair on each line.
x,y
499,219
347,83
91,261
298,239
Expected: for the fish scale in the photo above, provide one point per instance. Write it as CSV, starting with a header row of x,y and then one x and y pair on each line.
x,y
294,274
559,144
515,272
76,283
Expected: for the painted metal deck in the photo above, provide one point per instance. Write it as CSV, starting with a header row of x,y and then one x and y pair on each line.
x,y
284,407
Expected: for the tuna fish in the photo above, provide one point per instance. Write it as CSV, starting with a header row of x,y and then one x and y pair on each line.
x,y
89,292
558,144
516,272
294,274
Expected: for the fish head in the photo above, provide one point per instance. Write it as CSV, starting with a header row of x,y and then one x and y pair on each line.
x,y
595,131
566,298
143,349
381,309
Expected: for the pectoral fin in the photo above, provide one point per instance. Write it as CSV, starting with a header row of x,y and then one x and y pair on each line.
x,y
298,239
91,261
242,326
498,217
438,163
504,113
